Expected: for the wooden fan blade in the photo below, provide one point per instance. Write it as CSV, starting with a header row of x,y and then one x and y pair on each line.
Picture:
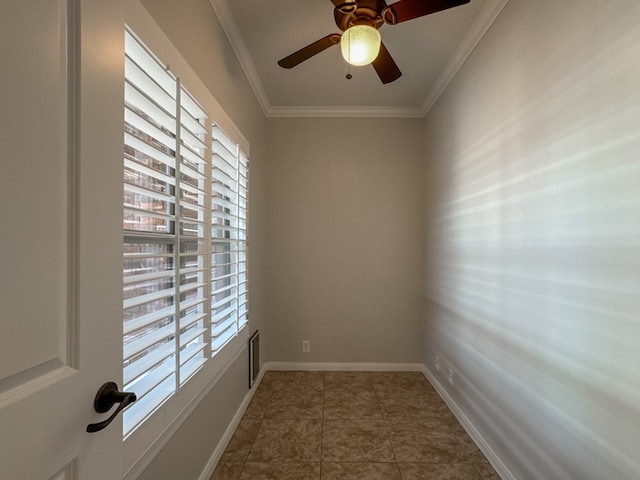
x,y
309,51
385,66
409,9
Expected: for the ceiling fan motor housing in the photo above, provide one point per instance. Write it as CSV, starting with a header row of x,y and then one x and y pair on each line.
x,y
372,13
362,12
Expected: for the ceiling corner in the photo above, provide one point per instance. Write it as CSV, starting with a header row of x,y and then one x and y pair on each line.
x,y
477,30
230,27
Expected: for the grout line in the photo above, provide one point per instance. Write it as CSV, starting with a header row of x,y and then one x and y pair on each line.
x,y
268,402
386,428
324,391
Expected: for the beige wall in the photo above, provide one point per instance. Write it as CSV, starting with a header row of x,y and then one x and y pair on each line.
x,y
345,239
533,238
194,29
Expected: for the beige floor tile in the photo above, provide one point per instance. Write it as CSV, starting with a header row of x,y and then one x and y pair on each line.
x,y
287,441
421,471
428,441
486,471
407,405
280,471
469,451
290,392
300,379
298,388
242,440
259,403
360,471
351,389
269,383
351,404
349,380
227,471
295,407
406,392
443,408
406,380
269,380
270,375
356,441
452,421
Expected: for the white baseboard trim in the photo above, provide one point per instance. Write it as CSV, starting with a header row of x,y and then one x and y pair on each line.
x,y
495,461
345,367
226,438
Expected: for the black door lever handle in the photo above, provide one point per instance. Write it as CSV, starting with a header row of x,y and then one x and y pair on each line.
x,y
107,396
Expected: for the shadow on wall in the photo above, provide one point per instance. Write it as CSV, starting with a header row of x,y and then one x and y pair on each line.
x,y
533,239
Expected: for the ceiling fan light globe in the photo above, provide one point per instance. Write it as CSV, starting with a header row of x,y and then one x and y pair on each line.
x,y
360,45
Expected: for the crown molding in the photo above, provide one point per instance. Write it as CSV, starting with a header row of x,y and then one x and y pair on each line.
x,y
230,27
485,18
389,112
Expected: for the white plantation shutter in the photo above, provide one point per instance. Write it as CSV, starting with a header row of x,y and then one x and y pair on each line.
x,y
243,245
149,296
193,234
229,312
165,259
185,235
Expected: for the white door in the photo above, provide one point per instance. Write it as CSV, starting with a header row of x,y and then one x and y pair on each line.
x,y
61,88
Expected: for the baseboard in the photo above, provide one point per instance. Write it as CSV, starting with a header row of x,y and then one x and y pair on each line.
x,y
345,367
226,438
495,461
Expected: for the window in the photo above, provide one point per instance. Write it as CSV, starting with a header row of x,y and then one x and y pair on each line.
x,y
228,240
185,235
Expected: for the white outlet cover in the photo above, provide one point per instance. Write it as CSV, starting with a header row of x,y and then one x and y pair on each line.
x,y
451,377
437,362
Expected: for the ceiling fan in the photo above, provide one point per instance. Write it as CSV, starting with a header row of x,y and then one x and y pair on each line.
x,y
360,21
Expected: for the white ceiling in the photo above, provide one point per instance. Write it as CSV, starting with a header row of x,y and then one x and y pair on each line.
x,y
428,51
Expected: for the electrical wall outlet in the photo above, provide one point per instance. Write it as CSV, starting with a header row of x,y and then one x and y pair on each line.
x,y
306,346
451,377
436,362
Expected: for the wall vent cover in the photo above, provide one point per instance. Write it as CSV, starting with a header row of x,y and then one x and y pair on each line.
x,y
254,357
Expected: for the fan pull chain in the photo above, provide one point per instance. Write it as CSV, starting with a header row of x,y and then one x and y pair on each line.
x,y
349,76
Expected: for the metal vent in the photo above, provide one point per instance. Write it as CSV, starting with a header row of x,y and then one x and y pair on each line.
x,y
254,357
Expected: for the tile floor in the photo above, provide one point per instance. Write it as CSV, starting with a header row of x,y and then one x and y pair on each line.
x,y
350,426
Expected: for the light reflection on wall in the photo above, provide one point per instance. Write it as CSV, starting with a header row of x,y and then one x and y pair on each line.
x,y
533,250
